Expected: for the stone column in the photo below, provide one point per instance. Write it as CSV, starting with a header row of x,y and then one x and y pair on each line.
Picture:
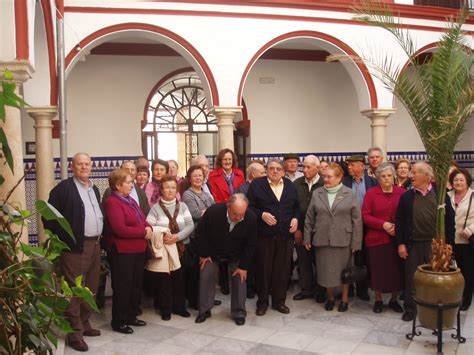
x,y
21,71
225,124
378,118
44,155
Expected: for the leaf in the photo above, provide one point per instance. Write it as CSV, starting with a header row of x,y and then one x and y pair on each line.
x,y
35,340
6,149
5,237
86,295
65,288
30,250
50,213
8,75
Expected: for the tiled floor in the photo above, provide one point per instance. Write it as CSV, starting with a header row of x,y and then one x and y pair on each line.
x,y
307,329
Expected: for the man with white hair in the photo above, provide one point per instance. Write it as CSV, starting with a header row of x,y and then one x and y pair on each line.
x,y
415,227
305,185
375,158
254,170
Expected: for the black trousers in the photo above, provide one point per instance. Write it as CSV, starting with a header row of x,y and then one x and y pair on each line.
x,y
127,279
360,259
307,272
273,269
418,253
464,255
168,292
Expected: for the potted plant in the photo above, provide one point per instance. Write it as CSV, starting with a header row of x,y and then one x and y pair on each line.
x,y
33,297
438,95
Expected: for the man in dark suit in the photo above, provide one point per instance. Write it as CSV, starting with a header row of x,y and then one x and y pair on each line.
x,y
274,200
226,231
359,181
77,199
305,186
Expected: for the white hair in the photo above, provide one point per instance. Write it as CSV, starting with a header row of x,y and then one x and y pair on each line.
x,y
252,168
312,159
75,156
425,168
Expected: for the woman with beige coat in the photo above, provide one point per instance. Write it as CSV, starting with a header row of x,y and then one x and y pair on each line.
x,y
333,226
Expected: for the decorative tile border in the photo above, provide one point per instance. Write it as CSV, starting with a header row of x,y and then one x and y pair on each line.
x,y
103,166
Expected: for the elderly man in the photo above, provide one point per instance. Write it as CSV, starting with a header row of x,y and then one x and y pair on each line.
x,y
142,161
226,231
359,181
275,202
305,186
375,156
254,170
415,226
77,199
291,162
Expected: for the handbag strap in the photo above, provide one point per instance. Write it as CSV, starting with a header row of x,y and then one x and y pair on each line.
x,y
468,210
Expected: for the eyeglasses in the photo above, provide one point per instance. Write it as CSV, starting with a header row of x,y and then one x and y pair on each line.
x,y
275,168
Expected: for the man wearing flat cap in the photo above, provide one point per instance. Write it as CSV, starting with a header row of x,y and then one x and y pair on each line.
x,y
359,181
291,161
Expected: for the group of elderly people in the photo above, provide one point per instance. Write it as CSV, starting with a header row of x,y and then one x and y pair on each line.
x,y
332,214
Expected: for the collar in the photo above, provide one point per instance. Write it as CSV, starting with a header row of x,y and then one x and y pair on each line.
x,y
87,185
430,187
230,221
277,184
313,180
362,178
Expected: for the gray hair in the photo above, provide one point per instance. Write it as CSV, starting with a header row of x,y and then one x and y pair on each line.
x,y
312,159
237,197
274,160
425,168
125,162
374,149
383,167
198,158
252,168
75,156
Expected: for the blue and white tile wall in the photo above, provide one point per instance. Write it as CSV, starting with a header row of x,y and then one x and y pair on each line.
x,y
103,166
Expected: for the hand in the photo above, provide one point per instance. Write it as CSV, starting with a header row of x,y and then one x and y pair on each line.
x,y
293,225
241,273
170,238
298,237
203,261
466,233
148,233
402,251
269,219
389,228
307,247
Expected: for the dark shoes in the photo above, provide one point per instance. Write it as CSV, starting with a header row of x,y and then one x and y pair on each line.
x,y
240,321
343,306
92,333
261,310
282,309
217,303
225,290
250,293
408,315
202,317
137,323
301,296
122,328
395,306
363,295
465,306
329,306
378,307
183,313
79,345
321,297
165,316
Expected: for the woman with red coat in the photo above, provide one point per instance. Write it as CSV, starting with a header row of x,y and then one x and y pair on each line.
x,y
378,214
127,235
225,178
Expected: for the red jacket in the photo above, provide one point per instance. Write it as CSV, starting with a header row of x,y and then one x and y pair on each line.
x,y
378,208
218,185
125,230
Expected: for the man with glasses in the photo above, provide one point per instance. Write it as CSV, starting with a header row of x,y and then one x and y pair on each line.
x,y
274,200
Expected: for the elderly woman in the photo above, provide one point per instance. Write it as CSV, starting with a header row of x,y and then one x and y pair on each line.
x,y
460,204
159,168
197,201
333,226
126,240
143,177
225,178
378,214
173,216
402,168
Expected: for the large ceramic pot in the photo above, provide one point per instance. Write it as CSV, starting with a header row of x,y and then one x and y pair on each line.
x,y
435,288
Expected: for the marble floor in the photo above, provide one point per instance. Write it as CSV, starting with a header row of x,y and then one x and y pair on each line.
x,y
308,329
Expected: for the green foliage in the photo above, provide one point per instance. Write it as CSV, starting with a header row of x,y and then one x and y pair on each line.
x,y
33,297
438,93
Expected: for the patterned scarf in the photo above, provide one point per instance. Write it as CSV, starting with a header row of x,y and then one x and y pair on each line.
x,y
156,191
173,224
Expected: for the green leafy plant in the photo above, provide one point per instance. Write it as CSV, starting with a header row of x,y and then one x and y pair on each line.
x,y
437,93
33,297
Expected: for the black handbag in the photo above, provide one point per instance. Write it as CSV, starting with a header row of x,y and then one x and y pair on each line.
x,y
353,273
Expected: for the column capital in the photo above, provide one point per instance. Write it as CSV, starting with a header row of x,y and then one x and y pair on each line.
x,y
21,70
378,112
43,112
226,110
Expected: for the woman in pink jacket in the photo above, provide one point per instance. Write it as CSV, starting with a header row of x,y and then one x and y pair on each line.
x,y
378,214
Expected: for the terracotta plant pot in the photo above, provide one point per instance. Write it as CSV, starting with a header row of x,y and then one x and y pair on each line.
x,y
434,288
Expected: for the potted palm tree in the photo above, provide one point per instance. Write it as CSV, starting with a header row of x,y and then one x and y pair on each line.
x,y
438,95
